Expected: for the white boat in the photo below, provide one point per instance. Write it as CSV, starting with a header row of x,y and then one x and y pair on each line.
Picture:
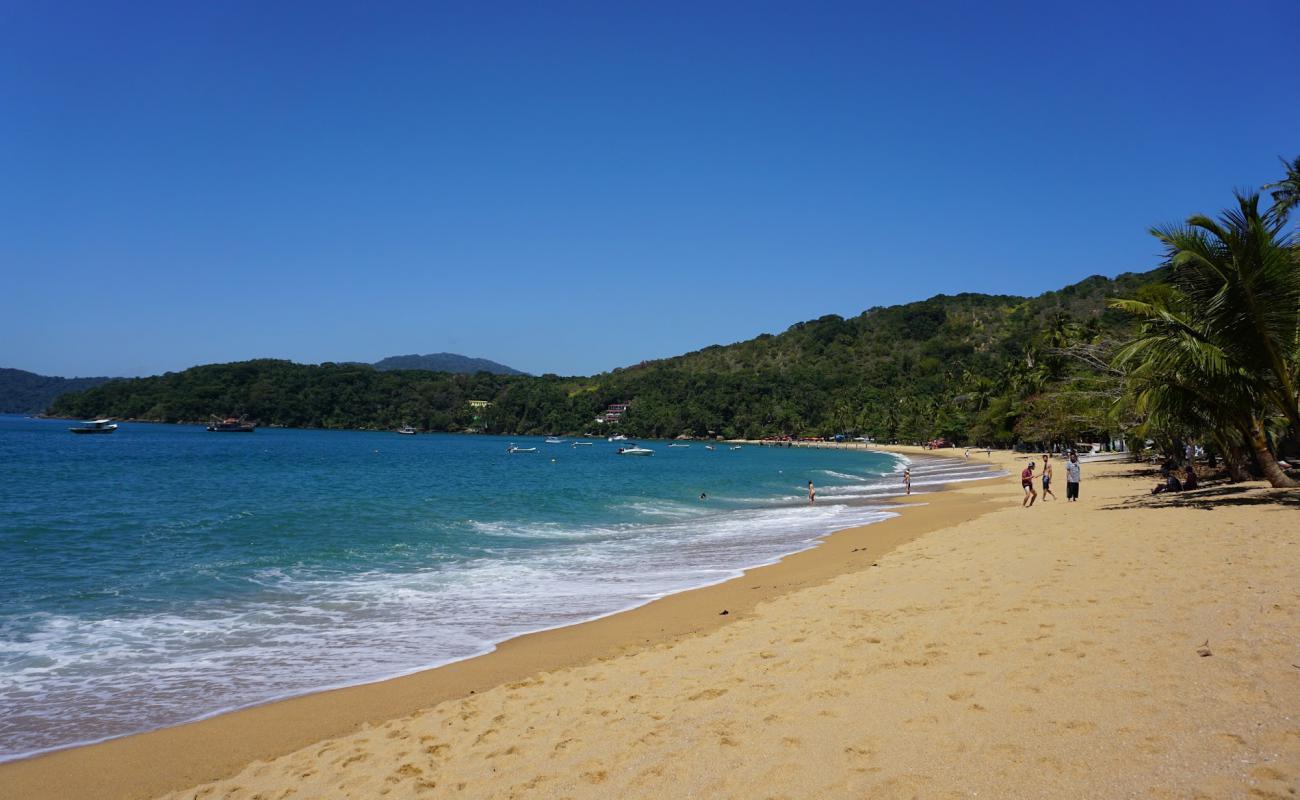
x,y
634,450
554,440
406,430
618,437
95,426
709,447
581,444
676,444
513,449
735,447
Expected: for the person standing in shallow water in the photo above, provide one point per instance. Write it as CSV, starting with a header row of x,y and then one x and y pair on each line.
x,y
812,493
907,479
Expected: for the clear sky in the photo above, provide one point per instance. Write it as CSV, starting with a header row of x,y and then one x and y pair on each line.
x,y
572,187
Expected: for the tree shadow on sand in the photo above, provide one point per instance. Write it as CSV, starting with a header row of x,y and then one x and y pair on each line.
x,y
1211,497
1137,471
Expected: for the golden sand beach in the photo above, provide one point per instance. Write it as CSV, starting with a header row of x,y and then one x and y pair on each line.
x,y
1123,646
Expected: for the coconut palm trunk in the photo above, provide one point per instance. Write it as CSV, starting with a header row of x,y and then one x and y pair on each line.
x,y
1265,458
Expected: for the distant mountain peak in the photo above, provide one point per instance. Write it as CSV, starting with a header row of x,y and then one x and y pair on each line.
x,y
23,392
445,362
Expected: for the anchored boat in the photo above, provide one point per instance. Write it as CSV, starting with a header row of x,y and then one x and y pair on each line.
x,y
95,426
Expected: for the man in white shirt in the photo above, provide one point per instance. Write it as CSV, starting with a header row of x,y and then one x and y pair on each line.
x,y
1072,478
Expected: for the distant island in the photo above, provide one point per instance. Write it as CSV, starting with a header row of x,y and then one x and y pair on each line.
x,y
23,392
445,362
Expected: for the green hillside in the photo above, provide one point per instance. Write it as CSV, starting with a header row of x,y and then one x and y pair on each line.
x,y
968,367
23,392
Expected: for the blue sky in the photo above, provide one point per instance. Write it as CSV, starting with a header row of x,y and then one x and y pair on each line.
x,y
572,187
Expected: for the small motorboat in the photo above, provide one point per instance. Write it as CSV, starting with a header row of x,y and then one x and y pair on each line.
x,y
232,425
618,437
406,430
95,426
735,447
635,450
581,444
554,440
513,449
709,447
678,444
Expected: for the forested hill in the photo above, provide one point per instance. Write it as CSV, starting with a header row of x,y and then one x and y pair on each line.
x,y
23,392
969,367
445,362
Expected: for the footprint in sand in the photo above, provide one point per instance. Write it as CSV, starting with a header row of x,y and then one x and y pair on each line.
x,y
707,694
408,771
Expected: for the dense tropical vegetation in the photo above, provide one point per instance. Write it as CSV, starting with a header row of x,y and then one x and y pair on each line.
x,y
1217,357
1204,348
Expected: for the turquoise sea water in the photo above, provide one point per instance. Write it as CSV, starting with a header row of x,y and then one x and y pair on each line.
x,y
163,573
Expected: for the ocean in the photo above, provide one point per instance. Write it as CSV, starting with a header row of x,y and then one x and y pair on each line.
x,y
163,573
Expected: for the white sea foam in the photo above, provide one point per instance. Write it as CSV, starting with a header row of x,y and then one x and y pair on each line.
x,y
80,680
832,473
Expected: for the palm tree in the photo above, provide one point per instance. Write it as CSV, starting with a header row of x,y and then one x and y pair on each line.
x,y
1219,408
1286,192
1183,380
1241,282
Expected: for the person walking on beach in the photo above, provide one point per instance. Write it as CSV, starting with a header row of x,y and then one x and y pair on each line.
x,y
1072,478
907,479
812,493
1047,478
1027,483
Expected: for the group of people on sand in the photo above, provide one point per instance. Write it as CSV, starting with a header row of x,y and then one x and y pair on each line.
x,y
1169,472
1072,474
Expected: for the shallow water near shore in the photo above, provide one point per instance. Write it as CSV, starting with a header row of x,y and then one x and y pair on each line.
x,y
163,573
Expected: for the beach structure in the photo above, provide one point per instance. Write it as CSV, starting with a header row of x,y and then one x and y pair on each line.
x,y
613,413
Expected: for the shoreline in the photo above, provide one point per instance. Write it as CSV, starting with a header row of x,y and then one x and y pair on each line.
x,y
175,757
